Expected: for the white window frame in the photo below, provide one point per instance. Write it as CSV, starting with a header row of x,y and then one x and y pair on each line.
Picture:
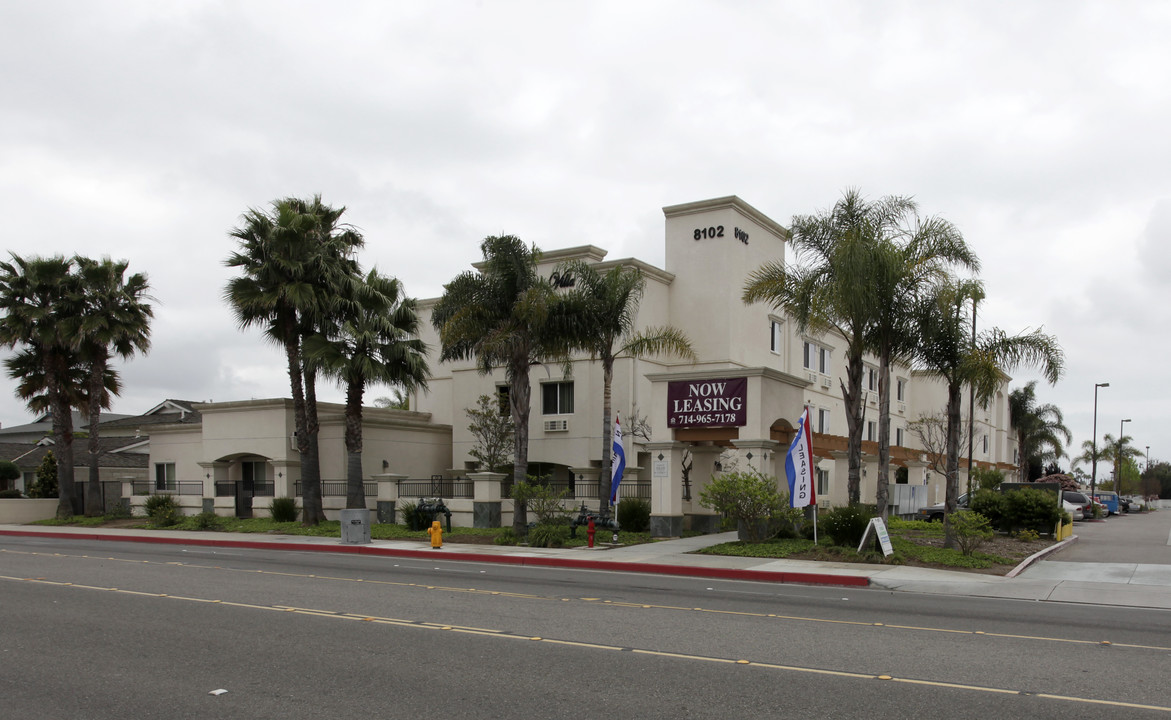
x,y
563,403
871,431
823,420
898,437
901,389
776,340
822,481
816,357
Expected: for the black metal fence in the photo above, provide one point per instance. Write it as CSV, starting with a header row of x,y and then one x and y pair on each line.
x,y
581,490
232,489
337,488
147,487
438,487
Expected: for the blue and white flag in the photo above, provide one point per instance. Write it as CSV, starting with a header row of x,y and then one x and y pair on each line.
x,y
799,466
617,462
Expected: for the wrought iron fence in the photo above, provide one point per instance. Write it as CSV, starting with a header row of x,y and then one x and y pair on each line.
x,y
583,490
437,486
338,488
146,487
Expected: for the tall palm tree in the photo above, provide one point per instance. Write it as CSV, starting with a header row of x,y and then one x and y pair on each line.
x,y
909,256
1040,428
505,316
947,349
606,305
296,262
376,341
832,290
38,298
114,320
1108,450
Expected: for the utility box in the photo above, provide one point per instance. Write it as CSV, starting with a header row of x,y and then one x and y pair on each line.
x,y
355,527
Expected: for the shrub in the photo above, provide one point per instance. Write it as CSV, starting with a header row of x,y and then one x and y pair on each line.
x,y
971,530
162,509
1033,509
992,505
209,520
845,525
284,509
506,537
1028,535
634,514
546,506
548,536
411,517
751,500
45,483
10,494
987,478
8,471
119,510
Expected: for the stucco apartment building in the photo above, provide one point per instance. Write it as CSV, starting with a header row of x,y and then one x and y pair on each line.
x,y
736,405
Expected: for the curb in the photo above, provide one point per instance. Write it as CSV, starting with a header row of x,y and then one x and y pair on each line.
x,y
570,563
1028,562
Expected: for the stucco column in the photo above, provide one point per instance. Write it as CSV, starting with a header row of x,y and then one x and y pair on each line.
x,y
697,517
486,499
285,474
839,493
868,488
666,488
387,498
761,455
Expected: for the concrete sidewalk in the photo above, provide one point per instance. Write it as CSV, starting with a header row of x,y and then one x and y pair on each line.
x,y
1036,579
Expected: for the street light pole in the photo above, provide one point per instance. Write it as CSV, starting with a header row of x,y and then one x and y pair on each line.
x,y
1094,440
1118,460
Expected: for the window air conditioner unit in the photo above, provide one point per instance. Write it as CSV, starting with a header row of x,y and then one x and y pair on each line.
x,y
825,382
812,376
556,426
293,441
873,397
902,407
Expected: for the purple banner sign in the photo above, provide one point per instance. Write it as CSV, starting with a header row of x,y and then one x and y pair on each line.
x,y
707,403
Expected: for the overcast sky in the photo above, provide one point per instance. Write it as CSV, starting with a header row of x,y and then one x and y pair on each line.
x,y
142,130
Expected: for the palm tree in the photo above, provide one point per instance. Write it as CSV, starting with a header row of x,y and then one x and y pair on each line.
x,y
504,316
947,349
1040,429
114,318
909,256
607,305
375,342
833,291
296,262
38,300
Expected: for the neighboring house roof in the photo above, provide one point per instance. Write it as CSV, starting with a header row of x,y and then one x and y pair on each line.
x,y
165,413
43,426
28,456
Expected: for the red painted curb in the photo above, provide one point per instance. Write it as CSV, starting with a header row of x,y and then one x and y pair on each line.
x,y
612,566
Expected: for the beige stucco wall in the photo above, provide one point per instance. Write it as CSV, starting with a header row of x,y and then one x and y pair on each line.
x,y
27,510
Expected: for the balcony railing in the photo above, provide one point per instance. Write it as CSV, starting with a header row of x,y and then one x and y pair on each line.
x,y
437,487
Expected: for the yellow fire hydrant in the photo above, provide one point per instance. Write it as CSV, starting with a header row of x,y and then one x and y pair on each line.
x,y
436,533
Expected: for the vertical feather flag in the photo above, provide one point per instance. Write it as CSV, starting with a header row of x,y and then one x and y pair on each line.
x,y
799,466
617,461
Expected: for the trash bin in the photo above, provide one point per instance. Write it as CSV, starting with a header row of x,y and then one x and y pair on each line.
x,y
355,526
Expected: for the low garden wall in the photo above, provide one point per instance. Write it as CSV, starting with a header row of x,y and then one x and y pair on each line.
x,y
18,511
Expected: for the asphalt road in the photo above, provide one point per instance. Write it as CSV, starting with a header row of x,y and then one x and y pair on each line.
x,y
1128,538
107,630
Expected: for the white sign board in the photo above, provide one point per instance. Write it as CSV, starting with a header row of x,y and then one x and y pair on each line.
x,y
660,469
877,528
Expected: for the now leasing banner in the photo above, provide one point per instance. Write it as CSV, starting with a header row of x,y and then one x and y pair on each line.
x,y
707,403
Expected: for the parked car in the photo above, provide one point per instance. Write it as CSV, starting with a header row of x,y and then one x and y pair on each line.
x,y
1109,500
1123,504
934,513
1074,510
1079,499
1137,503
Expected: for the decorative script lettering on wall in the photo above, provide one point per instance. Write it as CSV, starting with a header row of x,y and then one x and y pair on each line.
x,y
707,403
